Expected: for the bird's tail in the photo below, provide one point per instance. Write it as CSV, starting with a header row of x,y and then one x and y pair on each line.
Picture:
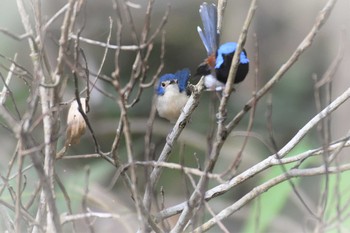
x,y
210,35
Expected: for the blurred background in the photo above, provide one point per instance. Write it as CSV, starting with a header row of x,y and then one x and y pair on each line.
x,y
277,30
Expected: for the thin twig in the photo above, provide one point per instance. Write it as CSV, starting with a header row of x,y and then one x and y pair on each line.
x,y
221,133
188,109
272,160
266,186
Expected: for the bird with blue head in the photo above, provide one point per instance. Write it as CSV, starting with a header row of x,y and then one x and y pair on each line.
x,y
216,66
172,94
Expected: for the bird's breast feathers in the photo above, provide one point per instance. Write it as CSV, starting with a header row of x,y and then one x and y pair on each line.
x,y
212,83
171,103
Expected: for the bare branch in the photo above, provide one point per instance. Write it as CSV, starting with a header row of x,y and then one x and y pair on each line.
x,y
266,186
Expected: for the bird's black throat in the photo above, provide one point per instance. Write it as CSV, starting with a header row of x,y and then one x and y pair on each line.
x,y
223,71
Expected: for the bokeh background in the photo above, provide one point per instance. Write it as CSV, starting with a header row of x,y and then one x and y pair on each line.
x,y
277,30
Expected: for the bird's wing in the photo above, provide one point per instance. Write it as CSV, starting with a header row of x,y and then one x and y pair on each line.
x,y
182,77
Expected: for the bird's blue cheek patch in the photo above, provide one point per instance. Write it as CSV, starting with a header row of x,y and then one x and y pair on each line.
x,y
243,58
160,90
219,61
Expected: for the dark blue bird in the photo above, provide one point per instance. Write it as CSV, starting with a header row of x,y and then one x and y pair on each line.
x,y
217,65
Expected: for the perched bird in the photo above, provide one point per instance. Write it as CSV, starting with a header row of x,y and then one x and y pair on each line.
x,y
217,65
172,94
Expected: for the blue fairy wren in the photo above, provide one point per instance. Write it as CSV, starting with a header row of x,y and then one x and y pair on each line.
x,y
216,66
173,93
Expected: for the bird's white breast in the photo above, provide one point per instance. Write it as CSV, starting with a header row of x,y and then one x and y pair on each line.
x,y
212,84
171,103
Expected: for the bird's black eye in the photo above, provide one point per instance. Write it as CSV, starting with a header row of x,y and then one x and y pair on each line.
x,y
163,84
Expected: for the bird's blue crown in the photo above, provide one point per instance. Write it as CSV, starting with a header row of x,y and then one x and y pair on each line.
x,y
181,76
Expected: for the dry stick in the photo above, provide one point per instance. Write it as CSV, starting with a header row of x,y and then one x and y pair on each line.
x,y
104,54
147,24
130,154
10,166
266,186
83,114
116,75
336,146
160,67
24,213
324,132
341,212
21,72
268,162
325,125
321,19
54,17
16,37
34,195
85,197
49,127
56,80
139,61
337,189
130,21
152,115
169,165
312,123
115,144
49,98
124,120
5,89
126,47
148,145
11,123
207,206
221,9
38,25
143,215
66,198
3,96
120,128
105,45
9,119
190,106
221,133
116,83
330,72
238,159
47,195
140,67
284,169
11,97
75,217
143,85
18,204
234,166
306,43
